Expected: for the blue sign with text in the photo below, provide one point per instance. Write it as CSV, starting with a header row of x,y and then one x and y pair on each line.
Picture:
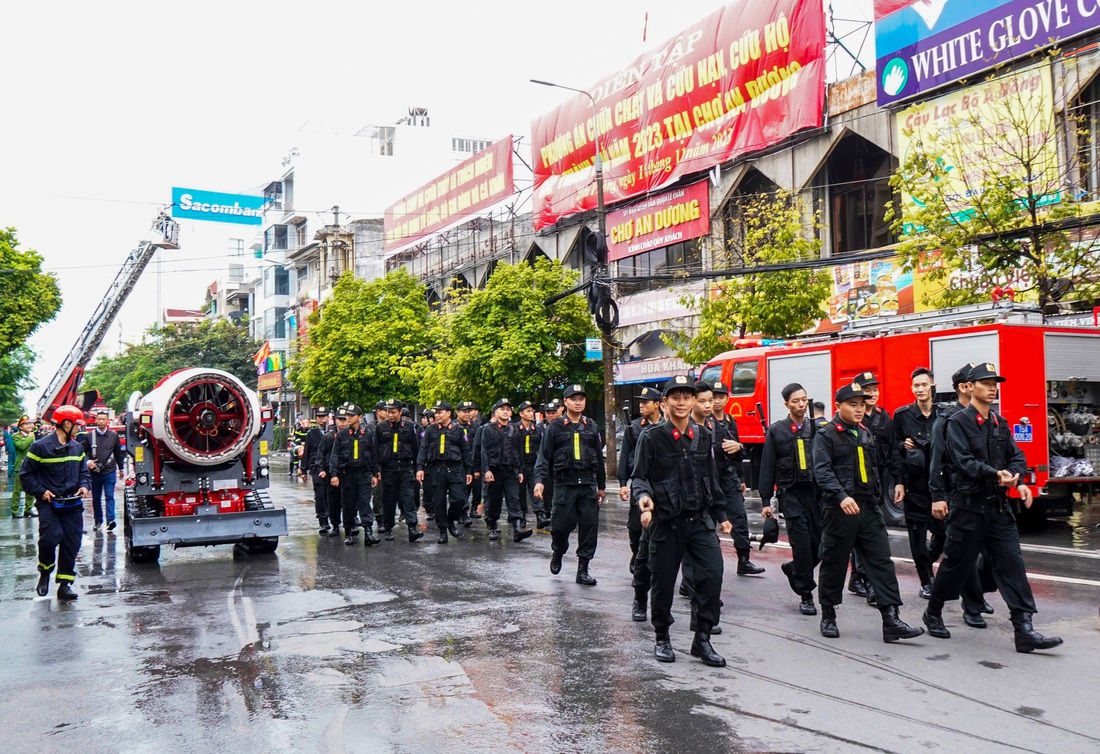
x,y
192,204
1023,432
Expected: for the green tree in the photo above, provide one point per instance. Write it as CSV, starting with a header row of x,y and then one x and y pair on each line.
x,y
986,199
364,341
15,376
503,342
772,230
215,344
28,296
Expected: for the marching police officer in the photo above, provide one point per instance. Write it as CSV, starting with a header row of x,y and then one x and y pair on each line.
x,y
55,472
571,455
298,452
675,481
727,455
988,463
786,469
530,437
468,420
501,470
335,506
316,463
649,406
353,466
398,445
446,462
846,472
913,440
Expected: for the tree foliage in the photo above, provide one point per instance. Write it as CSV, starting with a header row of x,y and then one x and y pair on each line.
x,y
503,342
215,344
364,341
15,376
28,297
986,200
779,304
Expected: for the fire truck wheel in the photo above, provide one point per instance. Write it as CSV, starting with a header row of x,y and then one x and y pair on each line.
x,y
260,546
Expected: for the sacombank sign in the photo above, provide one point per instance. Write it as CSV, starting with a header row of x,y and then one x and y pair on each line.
x,y
192,204
923,44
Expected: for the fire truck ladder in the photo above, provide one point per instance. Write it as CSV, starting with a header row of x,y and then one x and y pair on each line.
x,y
63,386
958,316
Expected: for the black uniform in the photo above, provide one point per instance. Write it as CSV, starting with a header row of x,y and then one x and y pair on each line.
x,y
888,463
398,445
911,424
332,494
314,461
297,462
677,471
500,453
530,440
571,455
473,489
729,478
979,510
446,458
845,466
354,460
61,469
786,468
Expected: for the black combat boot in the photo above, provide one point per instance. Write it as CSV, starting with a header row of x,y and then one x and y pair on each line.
x,y
442,535
494,533
555,562
520,532
894,628
322,527
662,650
453,529
388,535
746,567
369,538
974,620
1027,638
828,622
352,535
638,609
43,588
334,531
857,586
583,578
541,521
414,533
702,649
933,619
65,592
806,606
872,598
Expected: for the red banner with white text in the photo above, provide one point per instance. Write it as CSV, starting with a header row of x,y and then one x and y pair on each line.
x,y
744,78
474,184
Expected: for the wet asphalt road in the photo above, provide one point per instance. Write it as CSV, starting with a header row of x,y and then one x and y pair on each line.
x,y
475,646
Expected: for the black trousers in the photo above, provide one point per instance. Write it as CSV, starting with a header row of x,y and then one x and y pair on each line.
x,y
920,522
735,511
802,517
575,507
335,512
866,530
59,529
398,492
473,491
968,531
634,529
320,496
446,483
527,499
355,497
642,581
504,487
687,539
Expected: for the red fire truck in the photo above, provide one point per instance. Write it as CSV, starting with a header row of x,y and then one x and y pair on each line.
x,y
1051,397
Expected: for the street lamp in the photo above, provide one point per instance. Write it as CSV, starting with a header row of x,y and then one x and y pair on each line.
x,y
602,275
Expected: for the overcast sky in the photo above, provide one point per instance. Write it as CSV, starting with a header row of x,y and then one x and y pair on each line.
x,y
106,106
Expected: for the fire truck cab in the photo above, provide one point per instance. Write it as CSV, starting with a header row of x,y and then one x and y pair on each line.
x,y
1051,397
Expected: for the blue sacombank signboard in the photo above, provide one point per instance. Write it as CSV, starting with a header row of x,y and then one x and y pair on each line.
x,y
192,204
924,44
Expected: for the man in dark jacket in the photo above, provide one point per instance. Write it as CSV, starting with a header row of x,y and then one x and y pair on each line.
x,y
105,459
314,462
846,473
55,472
501,471
398,445
530,439
353,467
445,465
676,483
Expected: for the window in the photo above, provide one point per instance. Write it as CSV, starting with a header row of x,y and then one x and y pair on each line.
x,y
273,195
1088,146
275,323
275,238
282,281
473,146
744,377
859,192
683,257
302,275
711,374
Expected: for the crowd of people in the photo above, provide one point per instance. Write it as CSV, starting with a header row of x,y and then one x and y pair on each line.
x,y
678,469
